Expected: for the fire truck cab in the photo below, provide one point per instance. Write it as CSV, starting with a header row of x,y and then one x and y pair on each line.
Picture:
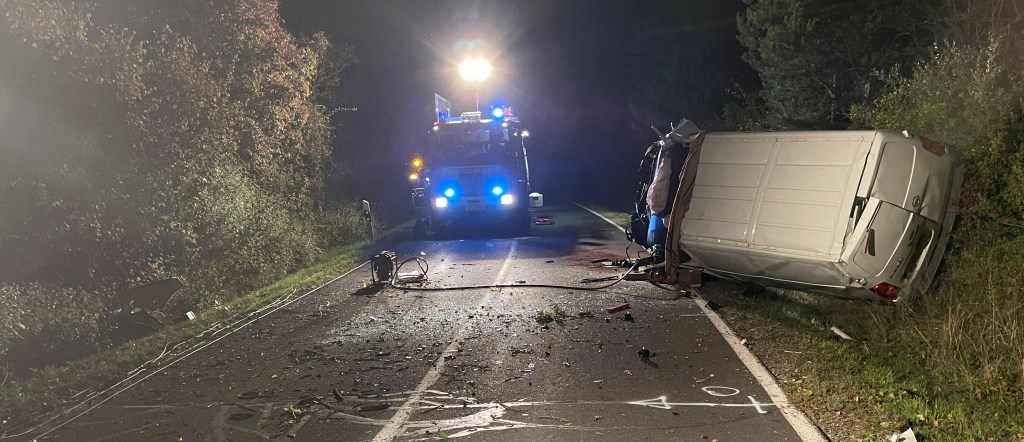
x,y
471,170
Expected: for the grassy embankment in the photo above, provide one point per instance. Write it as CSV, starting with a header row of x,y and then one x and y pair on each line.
x,y
55,387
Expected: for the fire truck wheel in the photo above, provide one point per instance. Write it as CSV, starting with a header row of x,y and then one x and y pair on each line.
x,y
419,230
521,225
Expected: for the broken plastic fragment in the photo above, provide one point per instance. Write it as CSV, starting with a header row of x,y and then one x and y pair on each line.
x,y
617,308
906,436
840,333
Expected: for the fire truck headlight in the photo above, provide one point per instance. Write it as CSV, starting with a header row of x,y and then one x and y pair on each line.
x,y
440,202
508,200
449,192
497,190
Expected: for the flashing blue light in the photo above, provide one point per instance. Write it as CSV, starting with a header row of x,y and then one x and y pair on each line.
x,y
498,112
497,190
449,192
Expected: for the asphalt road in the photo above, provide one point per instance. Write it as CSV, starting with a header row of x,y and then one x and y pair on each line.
x,y
346,363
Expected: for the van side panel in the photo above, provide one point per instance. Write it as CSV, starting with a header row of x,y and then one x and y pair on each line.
x,y
788,192
808,193
726,187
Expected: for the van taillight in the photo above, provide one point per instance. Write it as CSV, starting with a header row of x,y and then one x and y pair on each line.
x,y
887,291
933,146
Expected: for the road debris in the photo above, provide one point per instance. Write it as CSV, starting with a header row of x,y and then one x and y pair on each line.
x,y
544,318
543,221
373,407
840,333
644,353
249,395
295,429
617,308
628,317
906,436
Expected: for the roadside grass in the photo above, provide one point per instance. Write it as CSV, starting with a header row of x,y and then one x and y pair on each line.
x,y
55,387
868,388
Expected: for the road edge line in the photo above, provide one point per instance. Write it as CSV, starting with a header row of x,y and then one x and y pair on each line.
x,y
623,229
801,423
798,420
183,356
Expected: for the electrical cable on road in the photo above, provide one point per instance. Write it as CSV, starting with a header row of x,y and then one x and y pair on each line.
x,y
387,270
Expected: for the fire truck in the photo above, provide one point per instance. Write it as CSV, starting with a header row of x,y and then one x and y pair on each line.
x,y
471,169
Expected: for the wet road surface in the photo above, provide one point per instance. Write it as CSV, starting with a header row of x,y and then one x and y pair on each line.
x,y
347,363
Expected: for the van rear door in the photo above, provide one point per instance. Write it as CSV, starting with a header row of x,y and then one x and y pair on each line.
x,y
884,239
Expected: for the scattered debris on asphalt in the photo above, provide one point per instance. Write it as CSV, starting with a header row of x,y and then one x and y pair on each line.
x,y
249,395
617,308
543,221
644,353
544,318
373,407
628,317
713,305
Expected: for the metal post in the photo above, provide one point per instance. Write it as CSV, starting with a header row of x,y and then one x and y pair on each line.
x,y
369,218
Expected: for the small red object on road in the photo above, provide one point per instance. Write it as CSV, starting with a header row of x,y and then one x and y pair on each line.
x,y
617,308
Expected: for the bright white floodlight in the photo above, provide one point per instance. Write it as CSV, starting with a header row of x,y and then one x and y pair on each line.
x,y
475,69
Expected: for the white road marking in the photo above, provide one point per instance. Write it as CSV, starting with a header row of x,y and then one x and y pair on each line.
x,y
189,352
623,229
396,425
796,417
663,403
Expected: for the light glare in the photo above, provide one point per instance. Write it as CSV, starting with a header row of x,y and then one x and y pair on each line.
x,y
475,69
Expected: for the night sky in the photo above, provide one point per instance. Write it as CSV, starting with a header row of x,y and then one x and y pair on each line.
x,y
563,65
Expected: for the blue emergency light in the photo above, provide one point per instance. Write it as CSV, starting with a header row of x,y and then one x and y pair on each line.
x,y
498,112
449,192
497,190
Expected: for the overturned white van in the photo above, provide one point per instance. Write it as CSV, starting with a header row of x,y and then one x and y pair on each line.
x,y
857,214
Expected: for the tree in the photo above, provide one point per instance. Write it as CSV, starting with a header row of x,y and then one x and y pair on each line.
x,y
155,140
816,58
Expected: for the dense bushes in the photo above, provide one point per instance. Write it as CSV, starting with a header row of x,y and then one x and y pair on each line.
x,y
187,139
